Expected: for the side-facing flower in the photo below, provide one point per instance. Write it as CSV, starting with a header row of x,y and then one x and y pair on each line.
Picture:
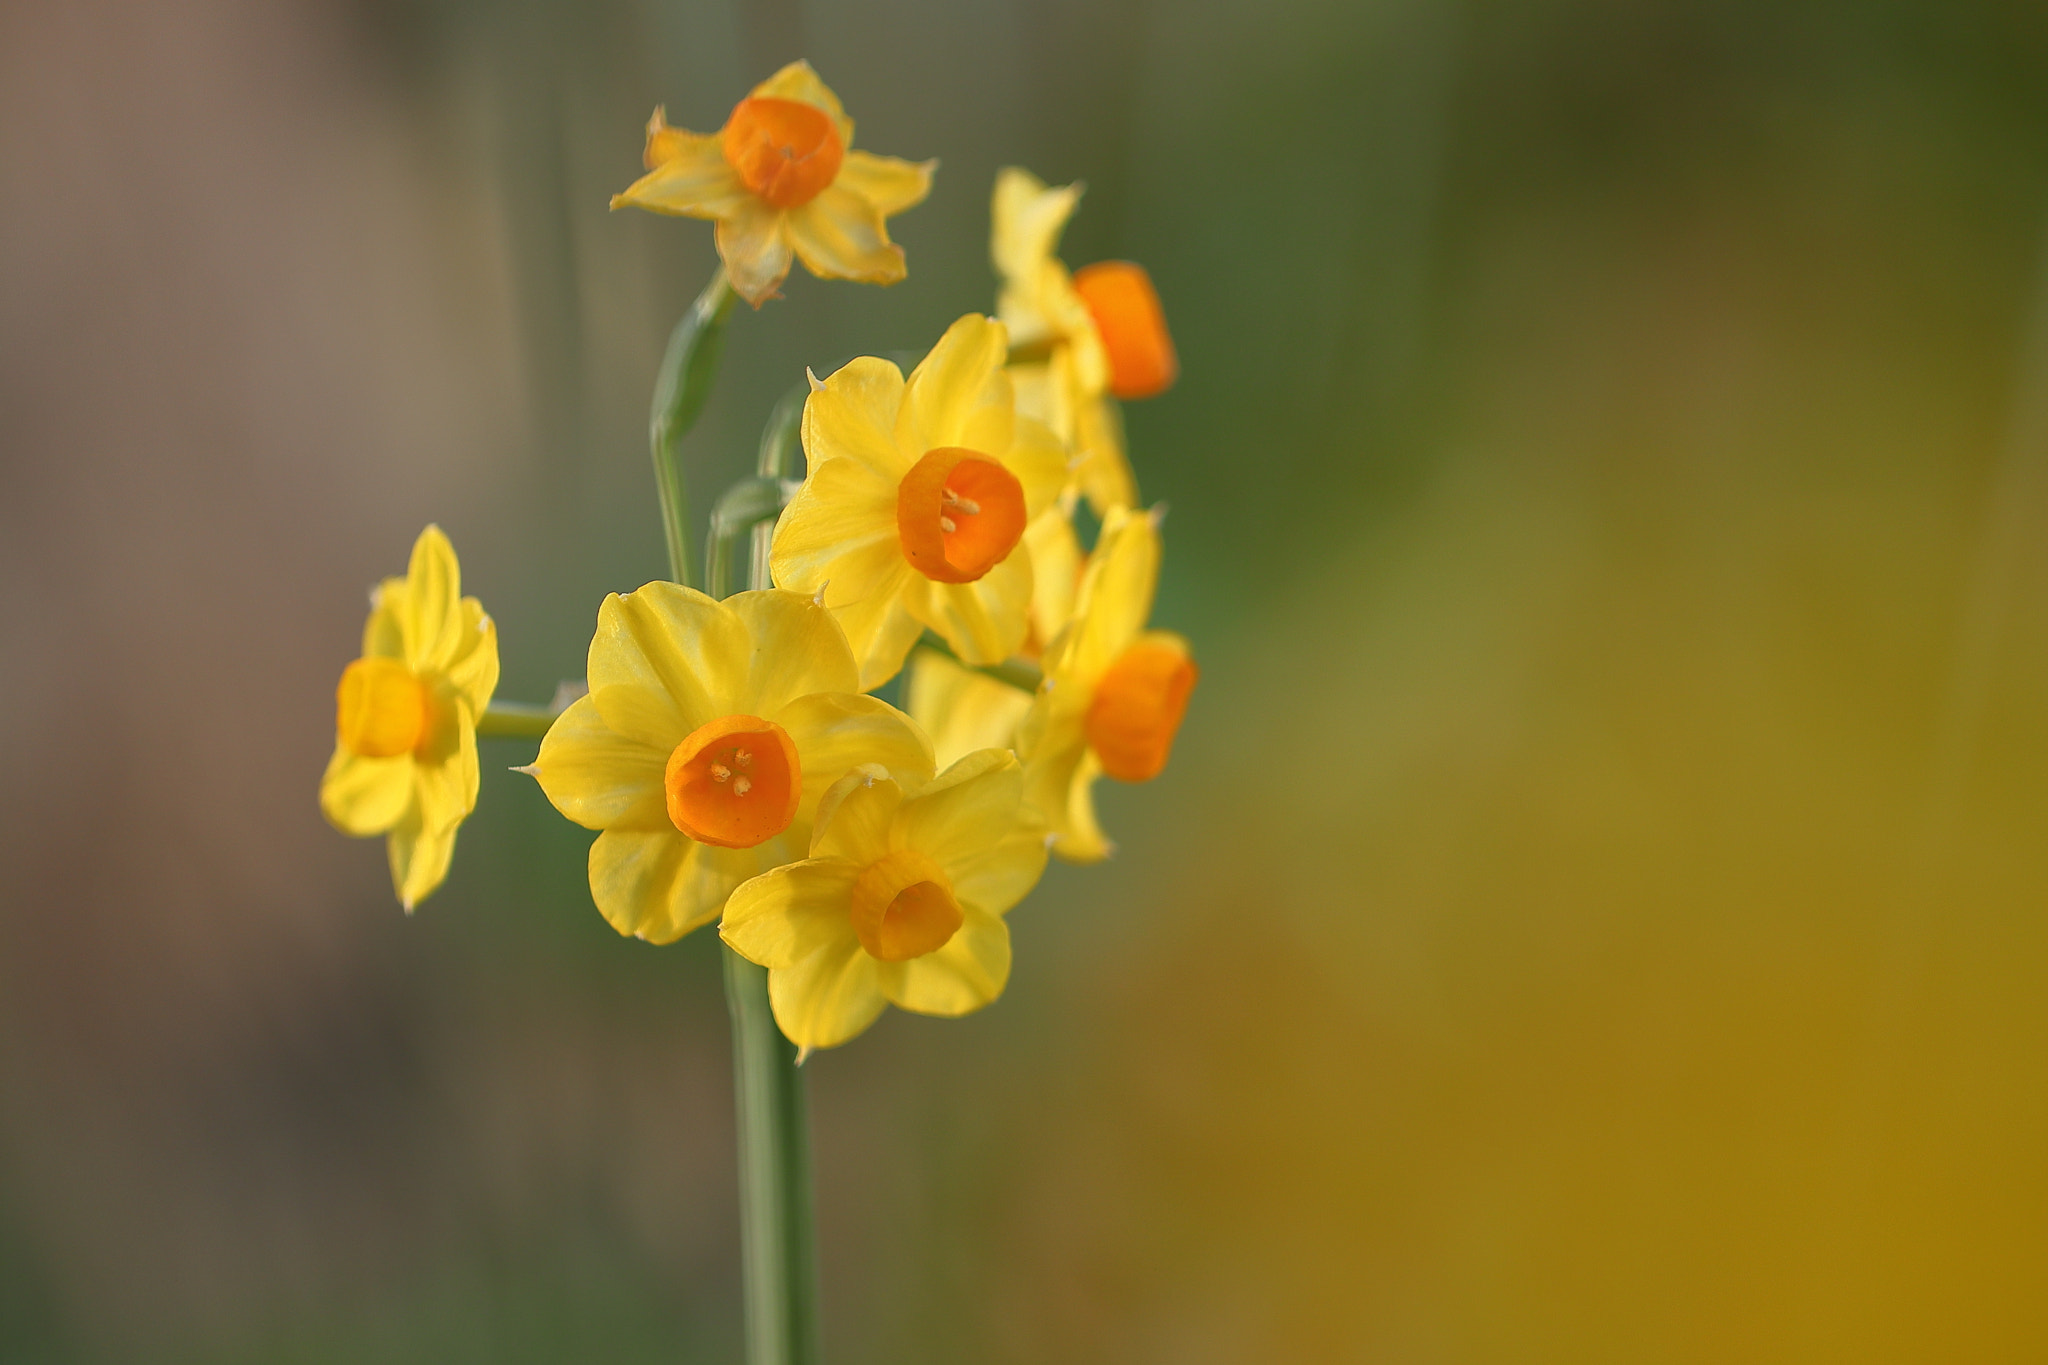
x,y
1114,692
405,718
1080,337
915,500
782,176
961,708
901,901
709,733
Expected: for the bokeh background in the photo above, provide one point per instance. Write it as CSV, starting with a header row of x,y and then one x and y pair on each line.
x,y
1599,907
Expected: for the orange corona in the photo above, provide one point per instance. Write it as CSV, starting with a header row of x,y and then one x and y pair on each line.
x,y
785,151
1137,709
1125,306
958,514
734,782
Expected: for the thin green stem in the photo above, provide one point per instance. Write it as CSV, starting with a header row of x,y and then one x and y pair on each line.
x,y
778,1243
515,720
680,388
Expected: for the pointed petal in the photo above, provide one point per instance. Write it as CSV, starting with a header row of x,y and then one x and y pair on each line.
x,y
855,815
1114,601
836,732
967,973
1056,563
755,248
598,777
984,622
1104,472
658,885
949,384
419,857
962,710
791,912
969,807
446,770
384,632
681,657
692,179
798,649
826,998
472,663
364,796
1039,460
1059,781
840,236
1027,220
889,183
844,511
854,417
432,610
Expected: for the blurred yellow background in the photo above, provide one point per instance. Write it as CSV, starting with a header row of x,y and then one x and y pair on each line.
x,y
1596,911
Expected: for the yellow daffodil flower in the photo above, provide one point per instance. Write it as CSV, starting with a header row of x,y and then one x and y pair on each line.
x,y
1114,692
781,176
961,708
405,725
901,901
708,735
1080,338
915,500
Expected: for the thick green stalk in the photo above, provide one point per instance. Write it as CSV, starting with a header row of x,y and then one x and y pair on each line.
x,y
680,388
778,1243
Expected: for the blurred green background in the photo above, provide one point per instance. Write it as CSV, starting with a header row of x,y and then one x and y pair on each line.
x,y
1599,907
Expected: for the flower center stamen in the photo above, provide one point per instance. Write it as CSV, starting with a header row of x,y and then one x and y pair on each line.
x,y
958,514
903,907
785,151
735,782
1137,709
380,709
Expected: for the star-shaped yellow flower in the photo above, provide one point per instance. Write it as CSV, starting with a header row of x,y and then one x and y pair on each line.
x,y
915,501
405,726
1080,338
782,176
1114,692
901,901
709,733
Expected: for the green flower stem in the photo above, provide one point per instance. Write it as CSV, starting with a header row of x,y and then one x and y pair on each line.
x,y
778,1243
515,720
1018,673
680,388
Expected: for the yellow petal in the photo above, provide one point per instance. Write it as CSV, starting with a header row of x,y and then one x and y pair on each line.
x,y
836,732
678,656
419,855
598,777
826,998
984,622
854,417
950,383
1039,460
797,649
1114,601
1026,220
1104,471
970,806
798,82
845,510
384,632
1056,562
446,769
890,183
365,795
687,176
855,815
657,884
791,912
840,236
432,611
967,973
961,709
472,663
1059,782
755,248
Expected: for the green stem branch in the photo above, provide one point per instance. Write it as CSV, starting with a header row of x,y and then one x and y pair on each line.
x,y
680,388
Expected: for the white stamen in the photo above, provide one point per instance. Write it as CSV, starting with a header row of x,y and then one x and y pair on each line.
x,y
965,506
742,784
948,525
742,758
719,772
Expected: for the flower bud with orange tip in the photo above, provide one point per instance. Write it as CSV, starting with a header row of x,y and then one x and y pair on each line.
x,y
710,732
404,761
1125,307
900,902
782,180
1114,692
917,498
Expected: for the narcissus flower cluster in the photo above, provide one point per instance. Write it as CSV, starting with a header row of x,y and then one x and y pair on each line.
x,y
731,754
